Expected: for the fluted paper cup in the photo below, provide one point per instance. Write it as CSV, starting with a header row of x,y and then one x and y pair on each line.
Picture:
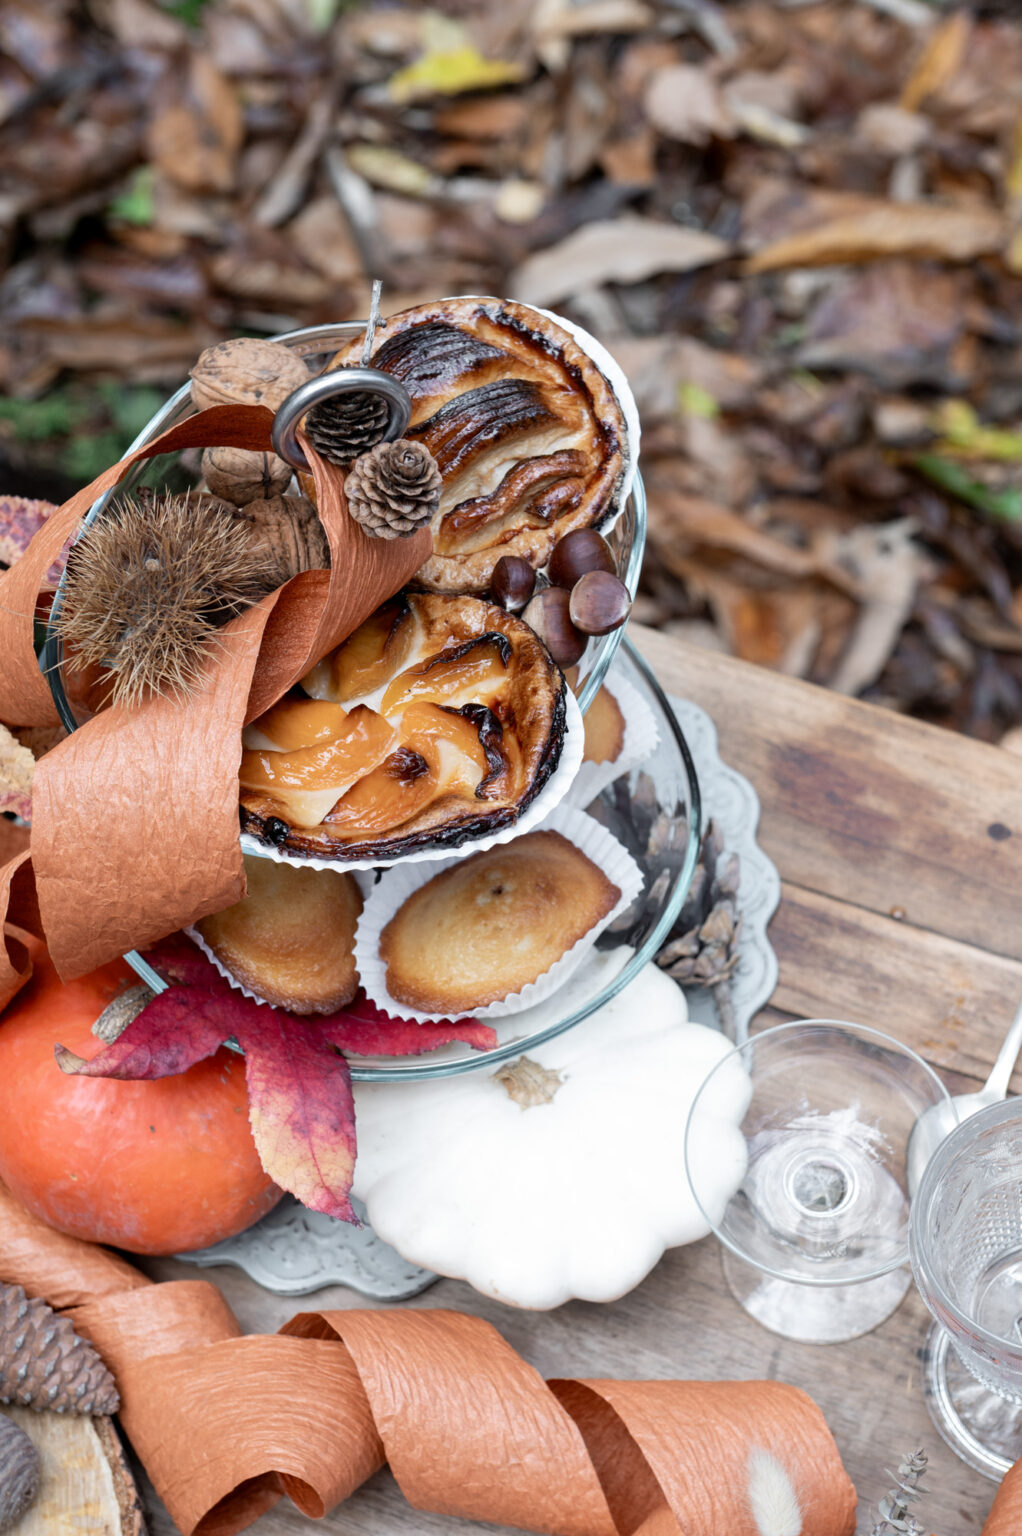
x,y
397,884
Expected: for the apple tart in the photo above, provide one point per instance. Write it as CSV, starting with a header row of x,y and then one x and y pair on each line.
x,y
439,720
528,434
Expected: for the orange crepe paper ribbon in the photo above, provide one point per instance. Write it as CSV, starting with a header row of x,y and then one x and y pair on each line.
x,y
135,815
1006,1514
225,1425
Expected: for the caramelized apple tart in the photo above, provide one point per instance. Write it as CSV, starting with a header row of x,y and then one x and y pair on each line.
x,y
440,719
527,431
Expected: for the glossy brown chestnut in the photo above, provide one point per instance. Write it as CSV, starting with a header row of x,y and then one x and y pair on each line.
x,y
577,553
548,616
514,582
598,603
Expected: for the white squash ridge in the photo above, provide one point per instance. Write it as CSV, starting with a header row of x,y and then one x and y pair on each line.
x,y
605,1237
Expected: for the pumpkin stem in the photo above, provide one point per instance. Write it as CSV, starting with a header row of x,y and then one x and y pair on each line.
x,y
116,1016
528,1083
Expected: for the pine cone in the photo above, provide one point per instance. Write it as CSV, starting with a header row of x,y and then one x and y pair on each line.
x,y
345,426
393,489
20,1473
702,948
43,1362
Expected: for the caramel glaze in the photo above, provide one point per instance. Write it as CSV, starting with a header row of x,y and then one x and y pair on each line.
x,y
469,712
529,435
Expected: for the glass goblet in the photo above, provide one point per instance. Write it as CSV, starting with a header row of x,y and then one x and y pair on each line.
x,y
816,1235
966,1251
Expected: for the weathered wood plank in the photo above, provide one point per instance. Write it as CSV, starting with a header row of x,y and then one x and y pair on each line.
x,y
950,1001
866,806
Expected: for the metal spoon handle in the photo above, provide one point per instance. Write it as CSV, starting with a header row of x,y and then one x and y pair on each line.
x,y
1003,1067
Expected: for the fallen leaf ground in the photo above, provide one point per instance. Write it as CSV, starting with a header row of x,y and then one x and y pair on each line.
x,y
799,225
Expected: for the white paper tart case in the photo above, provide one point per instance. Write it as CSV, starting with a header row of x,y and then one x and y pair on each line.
x,y
550,796
641,738
397,884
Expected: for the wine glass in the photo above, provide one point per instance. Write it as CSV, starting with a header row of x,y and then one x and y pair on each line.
x,y
816,1235
966,1251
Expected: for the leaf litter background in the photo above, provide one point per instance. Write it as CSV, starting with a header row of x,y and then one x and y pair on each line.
x,y
799,226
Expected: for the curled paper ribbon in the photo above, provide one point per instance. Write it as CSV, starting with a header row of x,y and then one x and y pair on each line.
x,y
1006,1514
135,815
225,1425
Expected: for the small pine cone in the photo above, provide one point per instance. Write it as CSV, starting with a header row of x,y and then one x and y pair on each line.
x,y
393,489
43,1362
344,426
20,1473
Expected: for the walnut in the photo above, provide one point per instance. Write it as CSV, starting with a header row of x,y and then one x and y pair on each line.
x,y
246,371
238,475
289,536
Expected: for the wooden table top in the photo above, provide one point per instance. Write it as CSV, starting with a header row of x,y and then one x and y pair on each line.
x,y
900,849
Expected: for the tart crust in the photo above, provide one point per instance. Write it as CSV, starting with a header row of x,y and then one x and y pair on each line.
x,y
489,925
423,658
291,939
528,433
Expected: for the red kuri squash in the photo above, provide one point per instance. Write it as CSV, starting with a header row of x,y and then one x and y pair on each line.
x,y
157,1167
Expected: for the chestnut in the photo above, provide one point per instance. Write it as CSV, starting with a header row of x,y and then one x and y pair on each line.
x,y
577,553
598,603
513,583
548,616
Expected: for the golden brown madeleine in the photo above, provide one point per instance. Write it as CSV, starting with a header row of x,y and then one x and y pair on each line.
x,y
291,940
486,927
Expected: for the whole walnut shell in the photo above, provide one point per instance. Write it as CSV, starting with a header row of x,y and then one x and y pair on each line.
x,y
239,475
289,536
246,371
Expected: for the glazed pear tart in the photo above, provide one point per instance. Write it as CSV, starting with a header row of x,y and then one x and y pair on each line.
x,y
438,721
527,432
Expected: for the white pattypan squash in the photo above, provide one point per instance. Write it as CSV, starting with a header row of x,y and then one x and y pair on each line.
x,y
563,1175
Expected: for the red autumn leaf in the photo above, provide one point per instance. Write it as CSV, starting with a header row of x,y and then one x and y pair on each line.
x,y
300,1107
362,1029
299,1085
178,1028
180,961
20,520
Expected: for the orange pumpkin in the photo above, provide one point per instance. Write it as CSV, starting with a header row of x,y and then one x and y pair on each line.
x,y
159,1167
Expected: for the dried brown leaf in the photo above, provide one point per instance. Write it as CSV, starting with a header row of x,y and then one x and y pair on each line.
x,y
939,61
561,21
195,140
896,321
888,565
677,520
623,250
684,102
889,229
